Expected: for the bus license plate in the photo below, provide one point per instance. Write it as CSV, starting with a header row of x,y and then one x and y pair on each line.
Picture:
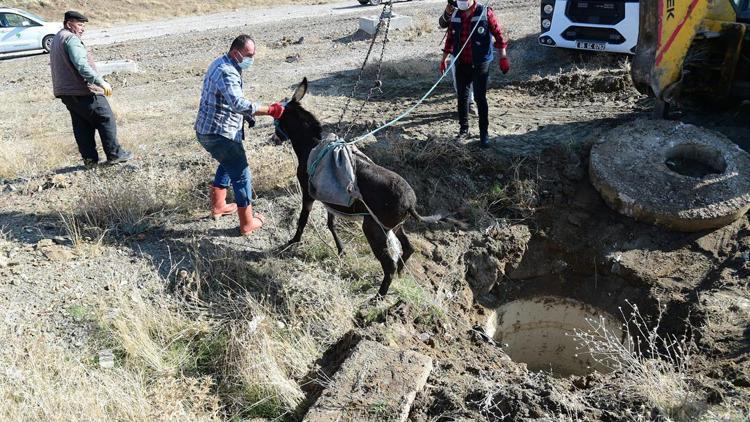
x,y
588,45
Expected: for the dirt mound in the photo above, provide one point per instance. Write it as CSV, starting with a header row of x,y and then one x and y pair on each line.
x,y
575,84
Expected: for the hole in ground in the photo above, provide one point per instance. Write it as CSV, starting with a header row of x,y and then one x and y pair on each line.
x,y
540,333
695,160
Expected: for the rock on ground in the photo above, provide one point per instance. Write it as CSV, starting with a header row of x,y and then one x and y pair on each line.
x,y
375,383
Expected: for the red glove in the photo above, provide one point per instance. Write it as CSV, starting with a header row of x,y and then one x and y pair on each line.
x,y
504,64
443,66
275,110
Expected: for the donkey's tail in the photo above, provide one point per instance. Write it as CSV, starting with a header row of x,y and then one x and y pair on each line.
x,y
437,218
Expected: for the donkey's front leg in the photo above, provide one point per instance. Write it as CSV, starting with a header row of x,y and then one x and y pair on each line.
x,y
307,204
332,228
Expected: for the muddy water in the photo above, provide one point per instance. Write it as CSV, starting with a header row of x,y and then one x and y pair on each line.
x,y
546,334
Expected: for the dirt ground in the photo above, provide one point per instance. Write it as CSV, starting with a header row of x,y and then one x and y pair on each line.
x,y
105,13
536,226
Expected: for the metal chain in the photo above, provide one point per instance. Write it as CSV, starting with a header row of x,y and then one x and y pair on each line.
x,y
387,6
378,83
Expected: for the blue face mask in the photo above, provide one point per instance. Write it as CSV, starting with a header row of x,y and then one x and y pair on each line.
x,y
246,63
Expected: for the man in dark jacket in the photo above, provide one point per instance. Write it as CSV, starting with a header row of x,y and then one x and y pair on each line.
x,y
76,82
473,62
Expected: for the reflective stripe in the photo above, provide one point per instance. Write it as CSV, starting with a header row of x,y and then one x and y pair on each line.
x,y
456,20
476,18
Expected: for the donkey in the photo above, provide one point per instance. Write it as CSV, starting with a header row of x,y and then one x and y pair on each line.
x,y
388,196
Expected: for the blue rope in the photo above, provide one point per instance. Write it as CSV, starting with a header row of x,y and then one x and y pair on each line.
x,y
424,97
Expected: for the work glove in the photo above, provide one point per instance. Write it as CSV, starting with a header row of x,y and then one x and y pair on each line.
x,y
444,65
275,110
504,65
107,88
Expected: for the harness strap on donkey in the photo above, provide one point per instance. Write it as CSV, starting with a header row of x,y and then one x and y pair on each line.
x,y
332,172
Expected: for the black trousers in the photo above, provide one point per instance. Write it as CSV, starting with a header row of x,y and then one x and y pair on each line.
x,y
468,75
89,114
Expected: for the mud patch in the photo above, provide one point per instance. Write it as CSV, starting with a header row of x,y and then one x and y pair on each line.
x,y
575,84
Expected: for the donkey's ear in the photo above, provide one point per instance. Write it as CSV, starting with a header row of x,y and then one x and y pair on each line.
x,y
301,90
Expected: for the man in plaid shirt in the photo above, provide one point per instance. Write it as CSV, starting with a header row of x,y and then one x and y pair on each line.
x,y
473,63
219,130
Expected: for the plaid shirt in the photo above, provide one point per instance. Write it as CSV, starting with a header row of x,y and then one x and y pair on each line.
x,y
222,103
467,26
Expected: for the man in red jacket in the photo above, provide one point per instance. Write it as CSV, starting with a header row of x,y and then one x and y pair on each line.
x,y
473,62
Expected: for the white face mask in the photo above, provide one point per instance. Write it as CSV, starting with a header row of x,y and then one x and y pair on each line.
x,y
464,4
246,63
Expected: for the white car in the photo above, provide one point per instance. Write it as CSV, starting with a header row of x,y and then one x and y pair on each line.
x,y
22,31
599,25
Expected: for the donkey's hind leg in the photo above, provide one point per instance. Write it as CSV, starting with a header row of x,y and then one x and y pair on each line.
x,y
332,228
377,239
406,248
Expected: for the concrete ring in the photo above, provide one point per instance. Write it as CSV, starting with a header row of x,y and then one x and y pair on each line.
x,y
672,174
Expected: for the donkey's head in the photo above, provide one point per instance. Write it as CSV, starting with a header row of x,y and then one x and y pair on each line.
x,y
297,124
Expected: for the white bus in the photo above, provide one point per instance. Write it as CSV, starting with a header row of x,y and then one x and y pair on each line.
x,y
599,25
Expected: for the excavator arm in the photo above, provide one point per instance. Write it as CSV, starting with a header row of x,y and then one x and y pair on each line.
x,y
668,31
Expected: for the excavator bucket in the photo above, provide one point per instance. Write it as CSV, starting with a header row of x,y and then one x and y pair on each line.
x,y
667,31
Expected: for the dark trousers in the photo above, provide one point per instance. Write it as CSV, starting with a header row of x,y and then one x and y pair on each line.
x,y
468,75
89,114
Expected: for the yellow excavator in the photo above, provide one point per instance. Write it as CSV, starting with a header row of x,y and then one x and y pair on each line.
x,y
693,52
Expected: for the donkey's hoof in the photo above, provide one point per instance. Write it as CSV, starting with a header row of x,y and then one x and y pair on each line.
x,y
285,247
376,301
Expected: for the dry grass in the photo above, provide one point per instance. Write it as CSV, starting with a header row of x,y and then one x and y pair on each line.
x,y
275,169
87,241
429,154
273,347
40,381
652,377
243,354
418,30
277,319
517,193
128,203
151,379
418,69
31,137
158,336
649,366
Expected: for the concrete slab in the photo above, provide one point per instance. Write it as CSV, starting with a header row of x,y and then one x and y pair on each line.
x,y
672,174
370,24
375,383
120,66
